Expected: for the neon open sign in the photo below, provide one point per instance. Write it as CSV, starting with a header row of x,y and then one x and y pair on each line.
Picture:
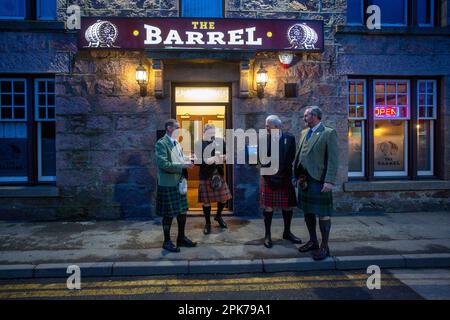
x,y
387,112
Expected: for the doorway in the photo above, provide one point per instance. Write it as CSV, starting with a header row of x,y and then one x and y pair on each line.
x,y
194,106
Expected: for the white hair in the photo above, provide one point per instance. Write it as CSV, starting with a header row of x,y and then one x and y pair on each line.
x,y
208,126
274,120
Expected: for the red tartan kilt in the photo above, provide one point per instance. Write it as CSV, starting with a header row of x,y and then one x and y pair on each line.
x,y
207,195
284,197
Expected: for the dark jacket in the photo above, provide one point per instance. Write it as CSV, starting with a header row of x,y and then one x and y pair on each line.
x,y
287,150
207,170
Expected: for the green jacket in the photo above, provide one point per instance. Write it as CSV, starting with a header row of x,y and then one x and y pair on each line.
x,y
169,163
319,155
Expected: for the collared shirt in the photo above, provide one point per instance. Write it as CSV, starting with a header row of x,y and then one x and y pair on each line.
x,y
177,145
316,127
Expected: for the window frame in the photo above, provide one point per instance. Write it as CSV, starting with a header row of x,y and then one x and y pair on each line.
x,y
32,177
24,9
363,120
180,11
411,132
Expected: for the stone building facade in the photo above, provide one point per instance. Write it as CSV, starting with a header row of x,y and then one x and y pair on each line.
x,y
105,132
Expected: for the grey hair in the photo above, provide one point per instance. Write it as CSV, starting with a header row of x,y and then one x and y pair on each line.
x,y
315,110
208,126
275,120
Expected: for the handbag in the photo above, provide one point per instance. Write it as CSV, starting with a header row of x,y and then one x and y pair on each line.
x,y
216,181
182,186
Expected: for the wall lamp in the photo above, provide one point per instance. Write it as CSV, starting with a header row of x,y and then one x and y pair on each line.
x,y
141,79
261,80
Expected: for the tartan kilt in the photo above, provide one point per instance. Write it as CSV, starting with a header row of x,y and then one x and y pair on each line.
x,y
206,194
313,201
169,202
284,197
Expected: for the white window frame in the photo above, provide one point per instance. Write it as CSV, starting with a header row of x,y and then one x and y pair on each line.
x,y
16,178
21,3
430,119
408,94
362,119
403,173
39,121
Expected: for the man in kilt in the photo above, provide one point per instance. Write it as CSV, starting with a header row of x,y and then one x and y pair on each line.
x,y
170,202
315,168
212,185
277,190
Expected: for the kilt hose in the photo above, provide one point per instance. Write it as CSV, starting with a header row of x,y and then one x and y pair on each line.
x,y
313,201
206,194
169,202
280,198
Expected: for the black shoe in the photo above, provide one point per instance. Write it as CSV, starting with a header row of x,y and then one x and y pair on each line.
x,y
185,242
309,246
321,254
221,222
268,242
289,236
207,229
169,246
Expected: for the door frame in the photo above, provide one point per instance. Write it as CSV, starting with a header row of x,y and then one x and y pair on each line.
x,y
228,117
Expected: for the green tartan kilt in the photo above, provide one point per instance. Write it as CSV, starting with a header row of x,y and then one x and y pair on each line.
x,y
312,200
169,202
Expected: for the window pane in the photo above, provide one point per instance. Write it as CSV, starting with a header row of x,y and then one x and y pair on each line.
x,y
360,112
355,11
13,150
48,150
424,146
46,9
12,8
422,112
19,113
389,143
6,113
355,146
19,99
6,100
392,11
41,100
202,8
19,87
51,99
51,113
41,86
351,99
425,11
380,99
6,86
402,100
379,87
50,86
42,113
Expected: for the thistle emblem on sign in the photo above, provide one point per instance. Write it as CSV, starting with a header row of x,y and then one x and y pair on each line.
x,y
101,34
302,36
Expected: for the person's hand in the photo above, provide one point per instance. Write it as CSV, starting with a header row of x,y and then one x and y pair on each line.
x,y
294,181
188,165
327,187
220,158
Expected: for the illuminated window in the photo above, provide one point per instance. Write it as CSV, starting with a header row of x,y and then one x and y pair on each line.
x,y
394,133
356,108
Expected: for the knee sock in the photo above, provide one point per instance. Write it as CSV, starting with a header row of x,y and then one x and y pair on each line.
x,y
220,207
207,214
166,224
181,219
325,227
310,220
287,218
268,222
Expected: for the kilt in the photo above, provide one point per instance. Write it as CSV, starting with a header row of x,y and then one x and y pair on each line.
x,y
169,202
313,201
206,194
284,197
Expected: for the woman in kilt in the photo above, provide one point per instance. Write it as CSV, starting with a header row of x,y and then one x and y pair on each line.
x,y
277,190
212,185
170,203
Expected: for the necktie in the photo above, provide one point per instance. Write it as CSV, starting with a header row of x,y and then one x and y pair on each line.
x,y
310,132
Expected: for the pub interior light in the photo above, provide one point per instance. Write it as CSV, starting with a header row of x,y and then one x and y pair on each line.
x,y
261,80
141,79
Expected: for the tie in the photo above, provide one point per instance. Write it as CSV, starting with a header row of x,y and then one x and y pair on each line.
x,y
310,132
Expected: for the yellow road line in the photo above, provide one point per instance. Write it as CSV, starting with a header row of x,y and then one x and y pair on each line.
x,y
188,289
171,282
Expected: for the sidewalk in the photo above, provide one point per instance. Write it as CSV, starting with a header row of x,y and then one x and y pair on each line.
x,y
394,240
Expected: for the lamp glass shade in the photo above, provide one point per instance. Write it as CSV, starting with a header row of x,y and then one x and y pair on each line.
x,y
261,76
141,75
